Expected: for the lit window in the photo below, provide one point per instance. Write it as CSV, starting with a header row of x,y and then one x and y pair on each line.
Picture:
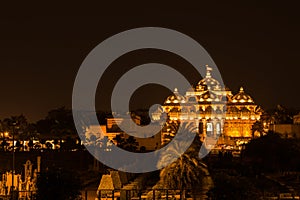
x,y
209,126
218,128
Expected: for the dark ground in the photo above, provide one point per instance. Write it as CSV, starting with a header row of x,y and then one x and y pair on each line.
x,y
74,160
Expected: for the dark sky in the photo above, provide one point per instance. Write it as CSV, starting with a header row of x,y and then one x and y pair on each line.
x,y
255,45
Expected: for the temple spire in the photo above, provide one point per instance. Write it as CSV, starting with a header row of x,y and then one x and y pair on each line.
x,y
208,70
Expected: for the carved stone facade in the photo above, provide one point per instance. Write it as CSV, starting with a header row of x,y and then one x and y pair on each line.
x,y
213,108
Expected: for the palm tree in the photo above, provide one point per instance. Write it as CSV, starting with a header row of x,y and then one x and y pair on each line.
x,y
23,129
129,144
257,127
187,172
19,127
49,146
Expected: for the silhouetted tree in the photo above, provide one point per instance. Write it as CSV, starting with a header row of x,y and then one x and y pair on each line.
x,y
187,171
129,144
282,115
30,145
273,153
58,124
19,126
49,146
257,127
18,145
119,140
4,145
69,144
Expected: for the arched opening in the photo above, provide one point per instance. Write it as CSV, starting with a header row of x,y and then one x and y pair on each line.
x,y
209,129
218,128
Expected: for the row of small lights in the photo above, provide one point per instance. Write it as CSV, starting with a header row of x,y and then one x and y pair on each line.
x,y
201,111
216,117
209,100
5,134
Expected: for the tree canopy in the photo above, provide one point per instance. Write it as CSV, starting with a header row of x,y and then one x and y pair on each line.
x,y
273,153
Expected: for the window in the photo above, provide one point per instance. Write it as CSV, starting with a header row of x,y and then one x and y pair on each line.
x,y
209,126
209,129
218,128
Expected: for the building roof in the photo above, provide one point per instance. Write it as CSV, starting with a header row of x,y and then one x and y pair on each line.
x,y
242,97
106,183
111,182
208,83
175,98
208,96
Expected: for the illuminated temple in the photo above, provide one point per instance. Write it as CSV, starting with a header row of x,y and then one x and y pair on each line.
x,y
214,109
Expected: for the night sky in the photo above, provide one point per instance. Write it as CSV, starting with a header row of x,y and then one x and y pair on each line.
x,y
254,45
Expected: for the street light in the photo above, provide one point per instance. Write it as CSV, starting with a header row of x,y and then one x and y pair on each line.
x,y
13,160
5,134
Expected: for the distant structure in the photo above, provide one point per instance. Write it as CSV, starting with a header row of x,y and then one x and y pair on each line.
x,y
212,107
296,119
287,130
27,187
120,185
214,110
111,130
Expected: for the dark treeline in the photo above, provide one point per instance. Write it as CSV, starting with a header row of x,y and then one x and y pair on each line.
x,y
281,114
57,125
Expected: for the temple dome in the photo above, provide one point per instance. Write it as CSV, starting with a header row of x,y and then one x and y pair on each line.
x,y
242,97
175,98
208,83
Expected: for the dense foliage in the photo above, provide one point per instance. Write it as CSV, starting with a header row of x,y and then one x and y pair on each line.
x,y
271,153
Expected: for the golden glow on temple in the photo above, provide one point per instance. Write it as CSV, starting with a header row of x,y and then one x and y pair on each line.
x,y
215,110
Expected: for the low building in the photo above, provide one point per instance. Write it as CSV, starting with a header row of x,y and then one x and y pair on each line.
x,y
296,119
27,187
286,130
111,130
